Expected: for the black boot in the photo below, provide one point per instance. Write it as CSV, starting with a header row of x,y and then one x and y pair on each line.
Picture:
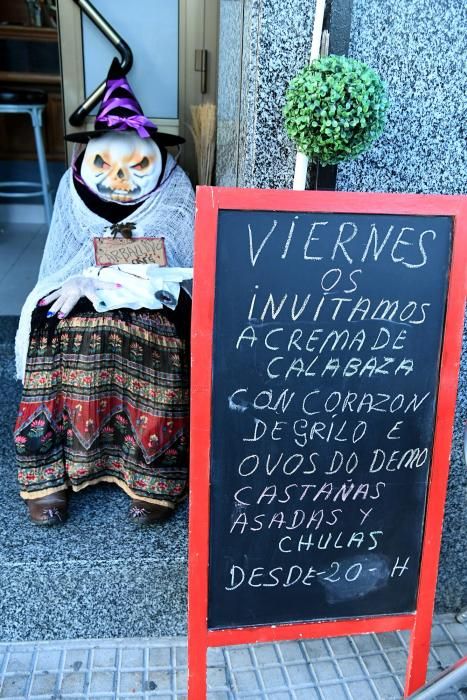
x,y
145,513
49,510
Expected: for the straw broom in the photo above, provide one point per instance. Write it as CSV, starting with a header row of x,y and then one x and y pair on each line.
x,y
203,129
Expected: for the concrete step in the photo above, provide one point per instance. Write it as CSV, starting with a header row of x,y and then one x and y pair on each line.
x,y
98,575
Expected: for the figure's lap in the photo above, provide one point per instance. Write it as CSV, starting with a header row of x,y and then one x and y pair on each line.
x,y
106,398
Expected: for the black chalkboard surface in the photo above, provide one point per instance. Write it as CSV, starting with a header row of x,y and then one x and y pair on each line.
x,y
326,346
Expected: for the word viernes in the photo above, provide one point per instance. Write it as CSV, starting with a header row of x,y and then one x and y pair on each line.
x,y
348,242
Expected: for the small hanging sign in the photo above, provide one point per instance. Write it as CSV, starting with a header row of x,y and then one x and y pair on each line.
x,y
132,251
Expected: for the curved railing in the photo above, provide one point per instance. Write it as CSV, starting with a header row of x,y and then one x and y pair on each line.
x,y
79,115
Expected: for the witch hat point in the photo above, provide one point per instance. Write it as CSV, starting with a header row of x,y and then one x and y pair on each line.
x,y
116,70
121,112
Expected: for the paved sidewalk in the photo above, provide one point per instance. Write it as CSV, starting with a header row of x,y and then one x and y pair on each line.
x,y
365,667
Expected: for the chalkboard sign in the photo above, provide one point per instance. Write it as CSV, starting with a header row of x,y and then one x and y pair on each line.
x,y
326,339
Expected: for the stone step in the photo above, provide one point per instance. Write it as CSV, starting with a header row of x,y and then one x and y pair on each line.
x,y
98,575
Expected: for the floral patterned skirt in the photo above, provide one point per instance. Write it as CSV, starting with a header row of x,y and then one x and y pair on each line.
x,y
106,399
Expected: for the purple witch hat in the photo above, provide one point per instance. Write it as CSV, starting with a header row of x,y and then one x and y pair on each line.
x,y
121,111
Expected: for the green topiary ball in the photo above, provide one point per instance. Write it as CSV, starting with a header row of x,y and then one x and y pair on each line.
x,y
335,108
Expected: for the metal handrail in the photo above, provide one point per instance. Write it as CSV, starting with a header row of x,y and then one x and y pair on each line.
x,y
458,671
447,679
79,115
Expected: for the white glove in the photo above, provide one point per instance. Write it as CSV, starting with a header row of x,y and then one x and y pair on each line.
x,y
72,291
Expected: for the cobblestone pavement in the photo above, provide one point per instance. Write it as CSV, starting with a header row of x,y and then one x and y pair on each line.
x,y
361,667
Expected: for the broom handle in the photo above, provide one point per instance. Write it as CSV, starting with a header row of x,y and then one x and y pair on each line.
x,y
301,161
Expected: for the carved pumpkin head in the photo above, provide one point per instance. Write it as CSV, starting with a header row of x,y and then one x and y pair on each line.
x,y
121,166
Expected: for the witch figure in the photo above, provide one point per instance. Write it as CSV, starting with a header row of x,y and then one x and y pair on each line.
x,y
106,393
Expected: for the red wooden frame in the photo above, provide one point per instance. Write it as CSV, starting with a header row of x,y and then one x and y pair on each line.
x,y
209,201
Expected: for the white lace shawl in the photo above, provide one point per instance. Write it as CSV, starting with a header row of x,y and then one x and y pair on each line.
x,y
168,212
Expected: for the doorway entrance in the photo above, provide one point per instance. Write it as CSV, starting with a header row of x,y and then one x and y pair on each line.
x,y
174,46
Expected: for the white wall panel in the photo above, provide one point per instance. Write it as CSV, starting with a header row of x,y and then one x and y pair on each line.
x,y
150,27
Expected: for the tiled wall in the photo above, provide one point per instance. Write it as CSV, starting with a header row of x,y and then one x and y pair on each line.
x,y
263,44
417,47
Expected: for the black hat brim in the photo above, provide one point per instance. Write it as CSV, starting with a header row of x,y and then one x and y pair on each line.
x,y
157,136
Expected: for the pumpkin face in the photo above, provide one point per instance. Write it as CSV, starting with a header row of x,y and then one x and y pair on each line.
x,y
121,167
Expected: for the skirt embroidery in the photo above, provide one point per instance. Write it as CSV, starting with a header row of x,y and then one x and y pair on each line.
x,y
106,398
